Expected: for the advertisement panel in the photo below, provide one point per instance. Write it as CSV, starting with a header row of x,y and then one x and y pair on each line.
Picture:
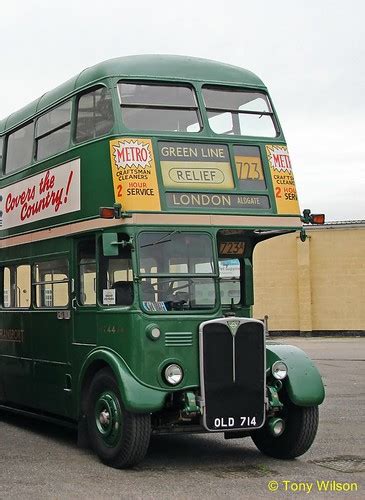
x,y
48,194
134,174
282,179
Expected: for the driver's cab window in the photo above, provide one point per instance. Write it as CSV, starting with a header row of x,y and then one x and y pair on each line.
x,y
116,277
231,250
230,281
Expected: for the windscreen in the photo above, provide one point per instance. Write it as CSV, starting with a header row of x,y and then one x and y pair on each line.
x,y
177,271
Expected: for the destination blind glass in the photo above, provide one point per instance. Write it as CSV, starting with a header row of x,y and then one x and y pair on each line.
x,y
196,166
233,202
249,168
188,168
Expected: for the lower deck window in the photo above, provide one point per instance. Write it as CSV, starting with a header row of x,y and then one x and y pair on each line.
x,y
51,283
116,277
16,287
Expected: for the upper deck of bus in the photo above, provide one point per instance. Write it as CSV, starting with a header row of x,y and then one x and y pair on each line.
x,y
142,67
200,171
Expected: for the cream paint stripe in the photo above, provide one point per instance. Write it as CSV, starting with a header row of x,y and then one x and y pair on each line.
x,y
219,220
56,232
256,221
149,219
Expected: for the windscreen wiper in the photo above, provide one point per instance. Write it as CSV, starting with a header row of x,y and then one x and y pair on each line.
x,y
161,240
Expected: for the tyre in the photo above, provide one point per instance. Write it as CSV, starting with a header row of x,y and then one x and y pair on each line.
x,y
301,424
118,437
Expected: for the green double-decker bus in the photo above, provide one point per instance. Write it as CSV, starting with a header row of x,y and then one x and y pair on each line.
x,y
132,198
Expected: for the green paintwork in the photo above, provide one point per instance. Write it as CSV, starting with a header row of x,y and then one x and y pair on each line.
x,y
248,277
110,244
303,383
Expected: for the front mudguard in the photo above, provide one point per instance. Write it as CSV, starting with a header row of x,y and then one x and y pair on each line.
x,y
137,397
303,384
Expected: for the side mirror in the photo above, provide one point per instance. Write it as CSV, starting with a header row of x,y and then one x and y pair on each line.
x,y
110,244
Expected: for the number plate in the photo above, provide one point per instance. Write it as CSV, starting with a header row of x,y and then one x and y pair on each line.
x,y
226,423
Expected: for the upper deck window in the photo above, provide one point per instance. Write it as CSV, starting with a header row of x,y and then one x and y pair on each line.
x,y
159,107
238,112
20,148
95,115
53,131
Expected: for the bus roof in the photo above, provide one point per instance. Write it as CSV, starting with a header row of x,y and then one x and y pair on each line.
x,y
155,66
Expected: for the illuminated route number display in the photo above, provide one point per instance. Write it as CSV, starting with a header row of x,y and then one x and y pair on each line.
x,y
249,168
228,248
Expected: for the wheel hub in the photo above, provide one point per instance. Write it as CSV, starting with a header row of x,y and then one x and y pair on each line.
x,y
104,417
108,417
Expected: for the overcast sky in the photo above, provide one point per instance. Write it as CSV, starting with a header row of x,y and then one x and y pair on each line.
x,y
310,54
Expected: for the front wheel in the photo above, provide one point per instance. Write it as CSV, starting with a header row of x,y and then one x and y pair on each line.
x,y
119,438
301,424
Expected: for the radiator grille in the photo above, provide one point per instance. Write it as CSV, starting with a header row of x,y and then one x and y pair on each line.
x,y
232,371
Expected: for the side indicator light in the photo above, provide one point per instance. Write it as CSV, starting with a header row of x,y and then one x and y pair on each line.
x,y
309,218
317,218
106,213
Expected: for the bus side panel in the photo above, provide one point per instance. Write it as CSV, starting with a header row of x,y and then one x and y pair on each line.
x,y
16,364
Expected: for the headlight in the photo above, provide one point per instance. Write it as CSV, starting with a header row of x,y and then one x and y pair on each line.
x,y
173,374
279,370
